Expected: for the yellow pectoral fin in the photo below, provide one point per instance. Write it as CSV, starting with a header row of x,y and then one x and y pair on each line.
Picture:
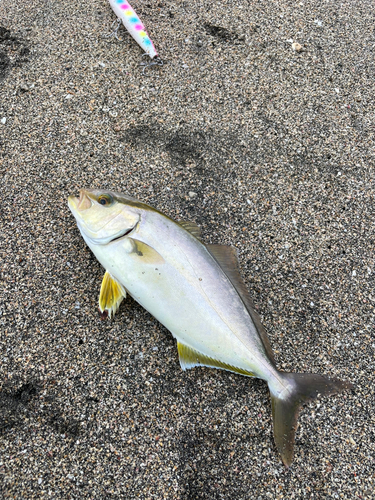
x,y
111,295
190,357
143,252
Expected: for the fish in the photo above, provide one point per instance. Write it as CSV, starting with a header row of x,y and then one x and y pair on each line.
x,y
196,291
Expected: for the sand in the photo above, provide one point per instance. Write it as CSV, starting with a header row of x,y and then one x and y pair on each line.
x,y
260,128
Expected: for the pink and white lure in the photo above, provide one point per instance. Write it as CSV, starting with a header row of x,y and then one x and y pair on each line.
x,y
125,12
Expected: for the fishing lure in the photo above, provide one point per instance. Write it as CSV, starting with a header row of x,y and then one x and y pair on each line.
x,y
125,13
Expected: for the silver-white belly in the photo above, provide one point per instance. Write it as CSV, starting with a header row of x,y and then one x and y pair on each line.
x,y
193,299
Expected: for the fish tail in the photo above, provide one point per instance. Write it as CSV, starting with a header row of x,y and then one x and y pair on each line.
x,y
287,398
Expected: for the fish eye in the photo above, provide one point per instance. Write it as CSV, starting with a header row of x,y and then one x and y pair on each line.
x,y
105,199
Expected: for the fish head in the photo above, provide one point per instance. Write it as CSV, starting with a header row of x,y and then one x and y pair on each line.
x,y
103,216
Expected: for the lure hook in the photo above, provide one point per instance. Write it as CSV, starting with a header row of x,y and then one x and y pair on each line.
x,y
116,22
156,61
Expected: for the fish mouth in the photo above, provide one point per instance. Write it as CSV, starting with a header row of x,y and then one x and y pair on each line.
x,y
80,203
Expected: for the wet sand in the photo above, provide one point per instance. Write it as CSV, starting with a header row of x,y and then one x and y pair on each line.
x,y
267,148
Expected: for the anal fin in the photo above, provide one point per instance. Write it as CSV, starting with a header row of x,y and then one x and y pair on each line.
x,y
111,295
190,357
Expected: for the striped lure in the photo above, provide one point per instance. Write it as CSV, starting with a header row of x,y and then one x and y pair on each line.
x,y
125,12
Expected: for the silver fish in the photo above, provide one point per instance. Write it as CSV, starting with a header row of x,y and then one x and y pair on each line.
x,y
196,292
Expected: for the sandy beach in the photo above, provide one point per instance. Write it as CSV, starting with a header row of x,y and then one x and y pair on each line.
x,y
260,128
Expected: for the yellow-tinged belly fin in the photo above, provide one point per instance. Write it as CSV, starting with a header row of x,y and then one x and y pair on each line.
x,y
111,295
190,357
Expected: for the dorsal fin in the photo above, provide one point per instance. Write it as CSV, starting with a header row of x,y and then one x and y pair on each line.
x,y
193,228
190,357
226,257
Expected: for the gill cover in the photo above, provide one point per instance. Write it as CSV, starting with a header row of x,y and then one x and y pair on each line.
x,y
101,217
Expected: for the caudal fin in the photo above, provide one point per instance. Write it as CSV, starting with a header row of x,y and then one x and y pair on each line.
x,y
300,388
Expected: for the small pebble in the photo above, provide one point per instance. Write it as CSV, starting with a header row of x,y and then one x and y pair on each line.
x,y
296,47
